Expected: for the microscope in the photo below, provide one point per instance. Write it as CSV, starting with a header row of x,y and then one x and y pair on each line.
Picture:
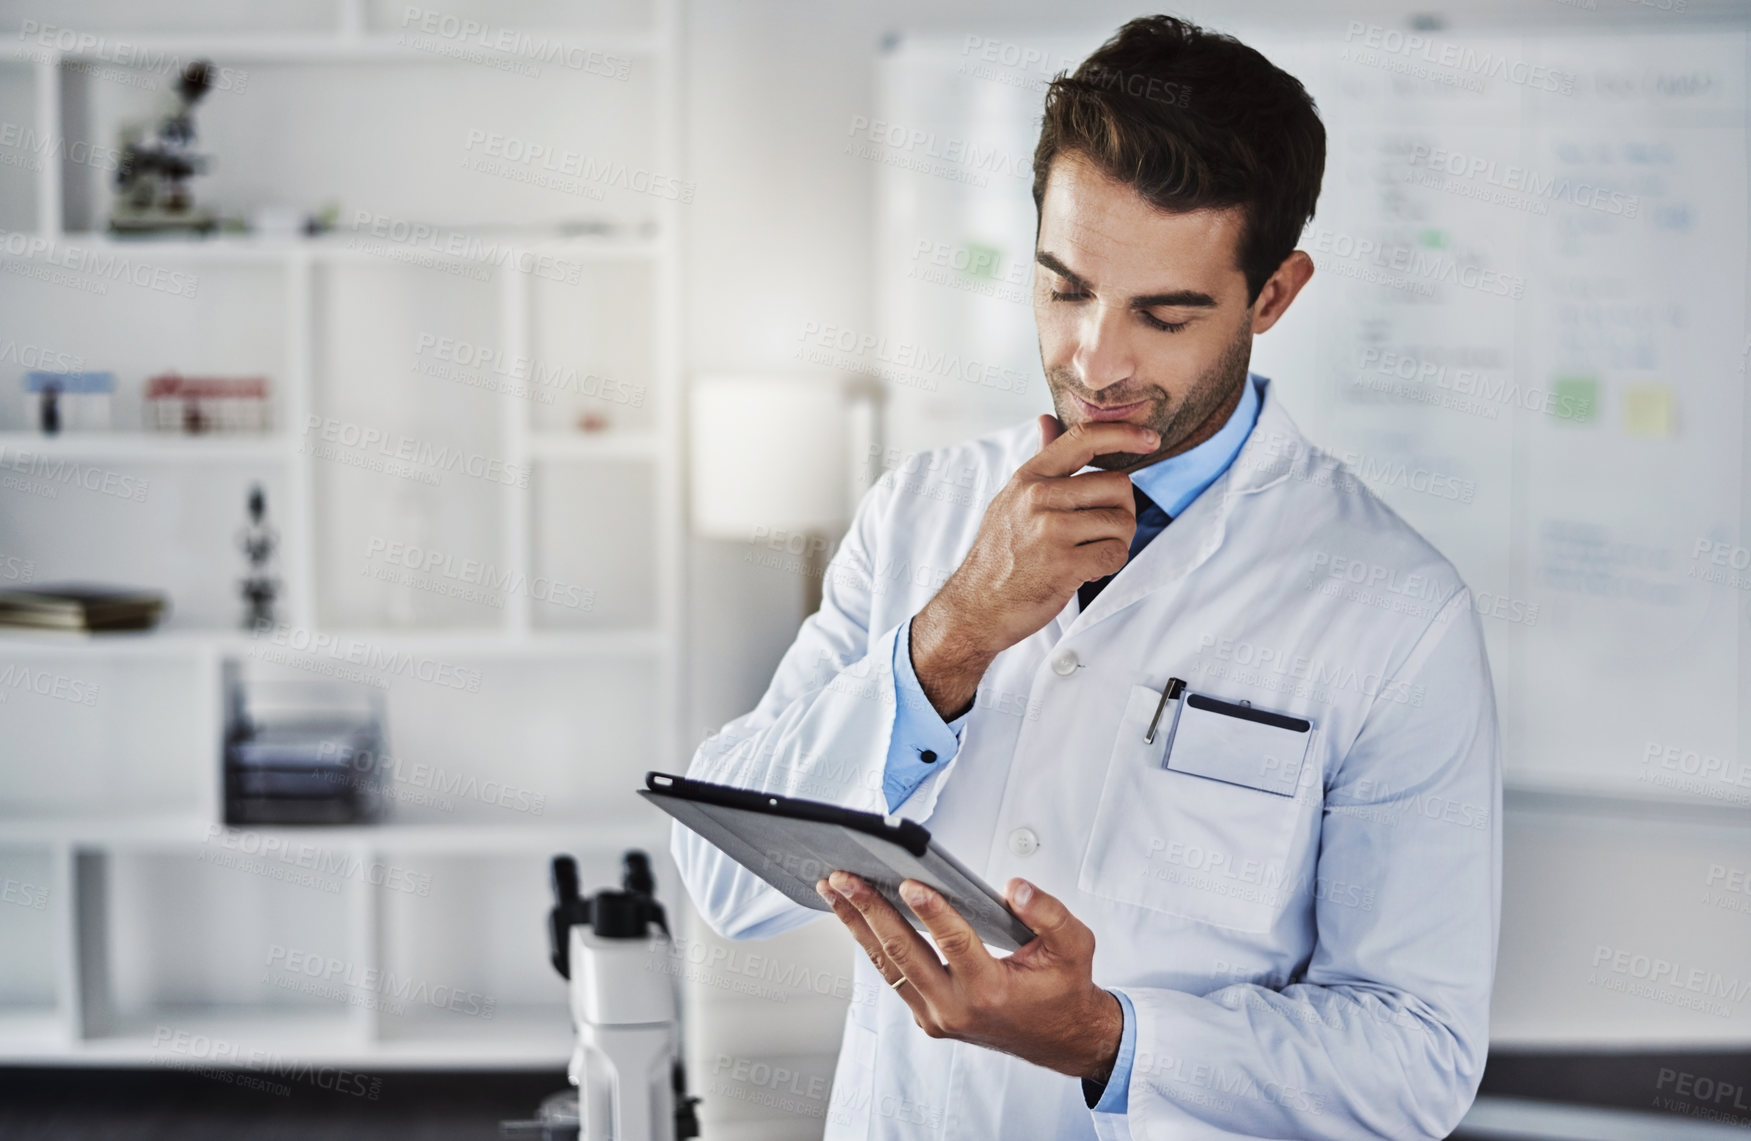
x,y
158,159
626,1070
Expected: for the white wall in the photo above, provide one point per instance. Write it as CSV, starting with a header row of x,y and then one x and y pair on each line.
x,y
778,236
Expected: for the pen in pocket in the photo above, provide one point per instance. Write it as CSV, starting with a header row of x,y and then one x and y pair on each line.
x,y
1174,688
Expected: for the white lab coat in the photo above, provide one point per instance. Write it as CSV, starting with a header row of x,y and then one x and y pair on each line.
x,y
1307,966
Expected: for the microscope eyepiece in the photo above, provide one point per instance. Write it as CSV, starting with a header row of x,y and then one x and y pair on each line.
x,y
565,879
635,874
569,909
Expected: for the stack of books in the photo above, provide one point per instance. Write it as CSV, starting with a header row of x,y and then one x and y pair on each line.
x,y
315,771
301,752
80,608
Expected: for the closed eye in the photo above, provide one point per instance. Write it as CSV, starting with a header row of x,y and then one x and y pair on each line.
x,y
1149,319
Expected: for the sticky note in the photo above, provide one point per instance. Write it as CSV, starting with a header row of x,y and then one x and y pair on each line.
x,y
1649,410
982,260
1577,398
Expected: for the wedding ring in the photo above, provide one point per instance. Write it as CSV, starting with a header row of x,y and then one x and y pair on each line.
x,y
897,983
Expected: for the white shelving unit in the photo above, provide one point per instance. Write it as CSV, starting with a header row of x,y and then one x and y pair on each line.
x,y
143,915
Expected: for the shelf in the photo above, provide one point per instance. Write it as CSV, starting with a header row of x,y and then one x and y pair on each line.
x,y
611,644
141,820
96,830
239,250
32,1029
300,47
16,643
188,1037
157,447
484,244
287,1033
544,834
533,1036
600,446
487,245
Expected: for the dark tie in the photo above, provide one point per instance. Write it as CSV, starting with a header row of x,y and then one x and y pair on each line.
x,y
1151,519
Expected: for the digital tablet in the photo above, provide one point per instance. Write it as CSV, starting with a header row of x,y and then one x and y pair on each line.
x,y
792,843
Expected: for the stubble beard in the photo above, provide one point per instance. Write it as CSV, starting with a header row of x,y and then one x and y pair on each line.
x,y
1204,396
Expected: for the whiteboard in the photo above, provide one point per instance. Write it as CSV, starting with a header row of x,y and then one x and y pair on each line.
x,y
1531,262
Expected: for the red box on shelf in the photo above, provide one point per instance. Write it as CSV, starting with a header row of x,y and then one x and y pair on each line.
x,y
198,405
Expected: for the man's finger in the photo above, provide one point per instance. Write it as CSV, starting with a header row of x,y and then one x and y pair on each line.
x,y
894,937
1050,428
1100,558
1074,528
955,937
1058,930
1071,452
853,920
1089,489
859,928
871,944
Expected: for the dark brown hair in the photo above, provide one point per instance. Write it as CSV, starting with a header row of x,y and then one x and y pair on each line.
x,y
1193,120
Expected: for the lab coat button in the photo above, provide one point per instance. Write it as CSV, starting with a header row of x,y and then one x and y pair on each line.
x,y
1023,842
1064,664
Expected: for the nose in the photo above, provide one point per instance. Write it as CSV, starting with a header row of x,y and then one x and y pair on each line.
x,y
1105,353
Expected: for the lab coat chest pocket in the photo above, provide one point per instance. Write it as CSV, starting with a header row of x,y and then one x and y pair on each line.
x,y
1183,844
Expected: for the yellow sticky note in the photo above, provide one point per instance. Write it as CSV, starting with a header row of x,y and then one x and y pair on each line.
x,y
1649,410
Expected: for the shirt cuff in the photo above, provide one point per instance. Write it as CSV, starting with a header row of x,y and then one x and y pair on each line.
x,y
921,741
1114,1096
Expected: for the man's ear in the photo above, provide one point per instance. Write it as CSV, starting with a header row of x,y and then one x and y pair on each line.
x,y
1280,289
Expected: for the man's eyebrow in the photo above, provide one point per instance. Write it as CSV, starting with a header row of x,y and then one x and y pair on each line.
x,y
1178,298
1051,262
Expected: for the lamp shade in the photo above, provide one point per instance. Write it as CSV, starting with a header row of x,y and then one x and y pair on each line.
x,y
768,455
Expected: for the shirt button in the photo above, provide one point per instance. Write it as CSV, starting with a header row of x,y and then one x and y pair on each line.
x,y
928,756
1064,664
1023,842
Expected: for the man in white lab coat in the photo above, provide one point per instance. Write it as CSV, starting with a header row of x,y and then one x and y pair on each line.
x,y
1265,903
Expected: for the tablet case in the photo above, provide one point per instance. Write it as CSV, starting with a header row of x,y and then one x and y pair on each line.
x,y
792,843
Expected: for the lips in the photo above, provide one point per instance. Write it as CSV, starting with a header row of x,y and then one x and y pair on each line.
x,y
1116,412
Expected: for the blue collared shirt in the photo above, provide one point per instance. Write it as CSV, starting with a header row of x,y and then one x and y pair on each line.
x,y
1114,1099
1174,482
922,740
